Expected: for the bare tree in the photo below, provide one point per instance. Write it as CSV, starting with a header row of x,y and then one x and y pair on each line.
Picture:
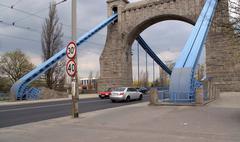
x,y
51,43
234,8
15,64
230,9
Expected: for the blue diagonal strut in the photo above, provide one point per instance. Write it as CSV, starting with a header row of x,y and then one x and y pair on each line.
x,y
20,87
183,83
152,54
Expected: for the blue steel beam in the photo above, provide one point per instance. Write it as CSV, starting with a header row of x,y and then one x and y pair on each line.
x,y
183,83
152,54
193,57
19,87
189,44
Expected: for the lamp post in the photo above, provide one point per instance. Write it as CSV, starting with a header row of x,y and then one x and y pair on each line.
x,y
138,61
153,72
146,72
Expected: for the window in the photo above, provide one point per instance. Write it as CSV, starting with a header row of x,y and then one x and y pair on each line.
x,y
131,89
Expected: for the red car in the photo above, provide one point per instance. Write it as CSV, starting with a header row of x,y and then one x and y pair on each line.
x,y
105,94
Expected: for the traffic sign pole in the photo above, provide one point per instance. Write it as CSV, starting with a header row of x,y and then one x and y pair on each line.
x,y
71,69
75,78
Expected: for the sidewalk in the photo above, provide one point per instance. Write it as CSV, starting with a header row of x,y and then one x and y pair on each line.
x,y
217,122
81,96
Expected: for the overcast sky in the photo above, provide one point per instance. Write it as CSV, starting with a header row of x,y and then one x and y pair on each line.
x,y
166,38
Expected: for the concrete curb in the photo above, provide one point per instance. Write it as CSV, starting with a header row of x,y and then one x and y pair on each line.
x,y
82,96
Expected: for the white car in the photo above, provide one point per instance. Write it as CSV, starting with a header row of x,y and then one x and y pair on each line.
x,y
125,94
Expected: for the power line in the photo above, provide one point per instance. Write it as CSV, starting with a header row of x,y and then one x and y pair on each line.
x,y
20,38
37,16
15,3
20,27
20,19
22,11
37,41
37,31
13,24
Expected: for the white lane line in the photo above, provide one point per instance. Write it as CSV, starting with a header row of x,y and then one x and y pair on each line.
x,y
46,106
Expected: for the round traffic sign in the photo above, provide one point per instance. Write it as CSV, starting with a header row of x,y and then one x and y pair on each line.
x,y
71,50
71,68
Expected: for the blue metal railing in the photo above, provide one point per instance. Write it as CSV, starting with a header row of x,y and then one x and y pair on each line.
x,y
20,87
183,83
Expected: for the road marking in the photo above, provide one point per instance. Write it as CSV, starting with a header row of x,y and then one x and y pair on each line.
x,y
46,106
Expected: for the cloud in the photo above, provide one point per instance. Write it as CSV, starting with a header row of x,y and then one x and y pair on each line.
x,y
36,60
168,56
165,38
88,63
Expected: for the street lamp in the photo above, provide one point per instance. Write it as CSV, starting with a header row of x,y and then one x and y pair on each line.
x,y
138,61
153,72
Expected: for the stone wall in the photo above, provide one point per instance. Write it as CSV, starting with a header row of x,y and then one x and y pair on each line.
x,y
222,57
222,52
133,18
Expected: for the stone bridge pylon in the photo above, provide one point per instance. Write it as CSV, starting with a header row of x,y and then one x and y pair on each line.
x,y
222,57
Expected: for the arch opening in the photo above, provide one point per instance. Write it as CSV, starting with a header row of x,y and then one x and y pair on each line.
x,y
151,32
151,21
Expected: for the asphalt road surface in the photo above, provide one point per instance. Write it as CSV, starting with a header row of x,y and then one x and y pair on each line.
x,y
26,113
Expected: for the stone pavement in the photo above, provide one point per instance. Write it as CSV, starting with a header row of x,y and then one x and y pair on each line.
x,y
219,121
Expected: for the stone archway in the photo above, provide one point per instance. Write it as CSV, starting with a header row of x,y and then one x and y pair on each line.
x,y
133,18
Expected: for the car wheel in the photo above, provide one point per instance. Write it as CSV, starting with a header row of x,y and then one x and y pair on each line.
x,y
140,97
128,99
101,97
113,101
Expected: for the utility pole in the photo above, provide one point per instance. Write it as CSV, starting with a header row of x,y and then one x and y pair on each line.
x,y
74,79
138,61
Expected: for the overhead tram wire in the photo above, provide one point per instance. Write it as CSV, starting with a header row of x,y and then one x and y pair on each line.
x,y
21,11
38,41
20,19
25,12
20,27
19,38
40,17
39,32
13,24
12,6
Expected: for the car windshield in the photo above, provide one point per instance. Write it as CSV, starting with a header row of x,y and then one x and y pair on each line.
x,y
120,89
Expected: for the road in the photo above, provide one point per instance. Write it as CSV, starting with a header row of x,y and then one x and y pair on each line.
x,y
26,113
